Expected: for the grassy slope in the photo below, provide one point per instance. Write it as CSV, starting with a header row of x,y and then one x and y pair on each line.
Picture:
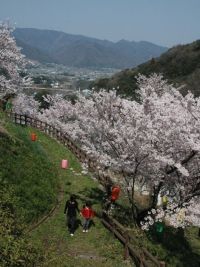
x,y
26,167
33,168
60,248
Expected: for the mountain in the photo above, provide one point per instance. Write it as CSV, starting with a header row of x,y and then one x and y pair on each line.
x,y
34,53
180,65
81,51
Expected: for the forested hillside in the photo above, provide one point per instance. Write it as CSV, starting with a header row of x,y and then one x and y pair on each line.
x,y
180,65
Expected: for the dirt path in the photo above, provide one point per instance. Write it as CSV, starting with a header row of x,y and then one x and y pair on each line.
x,y
51,213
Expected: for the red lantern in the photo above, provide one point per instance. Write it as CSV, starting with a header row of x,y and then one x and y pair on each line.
x,y
33,137
115,193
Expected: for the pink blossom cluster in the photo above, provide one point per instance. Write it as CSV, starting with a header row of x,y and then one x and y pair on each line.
x,y
157,138
174,215
11,60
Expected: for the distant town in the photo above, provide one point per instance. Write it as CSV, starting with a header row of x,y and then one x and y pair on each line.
x,y
64,80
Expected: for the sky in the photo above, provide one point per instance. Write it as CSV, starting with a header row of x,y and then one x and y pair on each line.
x,y
163,22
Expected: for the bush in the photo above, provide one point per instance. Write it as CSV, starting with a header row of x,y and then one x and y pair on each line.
x,y
15,249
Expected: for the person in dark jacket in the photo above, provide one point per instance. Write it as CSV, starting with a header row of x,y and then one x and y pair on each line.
x,y
71,209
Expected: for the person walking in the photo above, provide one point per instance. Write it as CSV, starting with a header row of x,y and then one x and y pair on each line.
x,y
71,209
87,213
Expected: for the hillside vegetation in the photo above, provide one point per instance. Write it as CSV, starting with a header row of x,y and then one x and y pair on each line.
x,y
180,65
30,177
28,189
25,166
50,244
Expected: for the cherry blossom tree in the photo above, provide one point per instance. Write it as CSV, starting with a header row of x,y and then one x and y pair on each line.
x,y
27,105
177,216
154,141
10,61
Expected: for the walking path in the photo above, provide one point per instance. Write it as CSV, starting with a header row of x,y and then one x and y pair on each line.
x,y
97,247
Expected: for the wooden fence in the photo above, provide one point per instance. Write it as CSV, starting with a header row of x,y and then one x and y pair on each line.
x,y
63,138
141,257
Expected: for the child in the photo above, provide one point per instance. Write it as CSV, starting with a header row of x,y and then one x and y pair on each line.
x,y
87,213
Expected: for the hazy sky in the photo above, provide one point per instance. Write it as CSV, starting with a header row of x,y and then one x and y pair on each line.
x,y
164,22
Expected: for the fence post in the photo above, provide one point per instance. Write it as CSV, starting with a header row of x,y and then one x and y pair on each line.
x,y
89,163
126,250
25,120
141,259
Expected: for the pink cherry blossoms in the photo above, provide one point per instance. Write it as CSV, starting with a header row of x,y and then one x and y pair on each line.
x,y
10,61
155,140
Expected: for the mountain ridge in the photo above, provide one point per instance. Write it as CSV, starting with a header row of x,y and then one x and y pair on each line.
x,y
180,65
82,51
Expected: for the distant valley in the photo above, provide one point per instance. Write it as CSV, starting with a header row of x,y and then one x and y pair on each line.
x,y
48,46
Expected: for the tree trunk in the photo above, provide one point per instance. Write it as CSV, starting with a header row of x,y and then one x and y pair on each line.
x,y
133,206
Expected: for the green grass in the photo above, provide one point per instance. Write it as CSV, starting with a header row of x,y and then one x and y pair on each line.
x,y
25,166
177,247
60,248
33,170
174,246
176,250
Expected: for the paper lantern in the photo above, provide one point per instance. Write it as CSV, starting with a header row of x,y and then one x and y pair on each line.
x,y
64,164
33,137
115,193
164,200
159,227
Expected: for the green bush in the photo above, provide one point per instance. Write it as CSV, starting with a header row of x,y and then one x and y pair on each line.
x,y
15,248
